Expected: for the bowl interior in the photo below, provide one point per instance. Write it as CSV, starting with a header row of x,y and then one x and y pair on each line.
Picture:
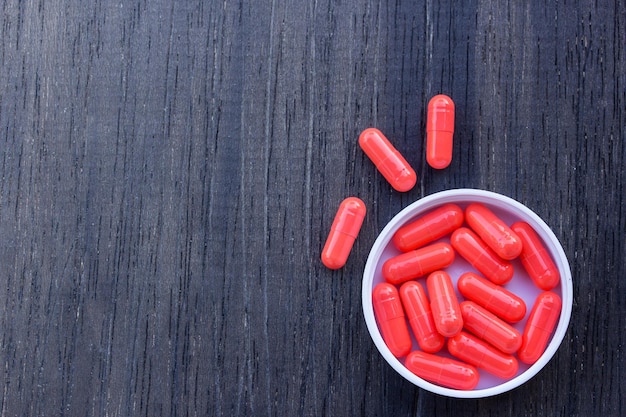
x,y
509,211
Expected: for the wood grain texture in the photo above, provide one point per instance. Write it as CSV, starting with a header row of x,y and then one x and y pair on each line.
x,y
170,170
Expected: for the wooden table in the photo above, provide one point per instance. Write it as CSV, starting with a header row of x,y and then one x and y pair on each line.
x,y
170,170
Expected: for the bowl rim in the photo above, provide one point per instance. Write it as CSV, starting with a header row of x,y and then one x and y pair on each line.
x,y
487,197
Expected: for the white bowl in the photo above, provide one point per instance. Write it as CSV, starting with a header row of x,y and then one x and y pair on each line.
x,y
509,211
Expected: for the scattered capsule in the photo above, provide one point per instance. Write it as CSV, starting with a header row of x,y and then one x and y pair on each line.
x,y
444,304
480,256
439,131
492,297
442,371
343,232
387,159
536,259
420,317
541,322
429,227
391,319
482,355
490,328
493,231
417,263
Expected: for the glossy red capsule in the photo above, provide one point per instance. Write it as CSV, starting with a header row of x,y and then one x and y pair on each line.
x,y
442,371
494,298
429,227
482,355
420,317
490,328
480,256
493,231
536,259
439,131
541,322
343,232
391,319
417,263
387,159
444,304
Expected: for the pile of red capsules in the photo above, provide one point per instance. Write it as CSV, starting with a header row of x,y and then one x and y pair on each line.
x,y
477,331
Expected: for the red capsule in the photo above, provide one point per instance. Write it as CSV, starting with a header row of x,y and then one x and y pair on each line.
x,y
343,232
439,131
490,328
391,319
492,297
478,254
429,227
493,231
420,317
482,355
417,263
444,304
536,259
442,371
387,159
541,322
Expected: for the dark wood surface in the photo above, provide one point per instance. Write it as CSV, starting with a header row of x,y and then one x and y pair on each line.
x,y
170,170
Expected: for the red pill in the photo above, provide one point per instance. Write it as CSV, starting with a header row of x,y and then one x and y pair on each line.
x,y
492,297
387,159
429,227
493,231
439,131
490,328
541,322
420,317
343,232
536,259
444,304
442,371
482,355
418,262
391,319
478,254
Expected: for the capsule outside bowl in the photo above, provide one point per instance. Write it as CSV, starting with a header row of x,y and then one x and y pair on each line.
x,y
510,211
